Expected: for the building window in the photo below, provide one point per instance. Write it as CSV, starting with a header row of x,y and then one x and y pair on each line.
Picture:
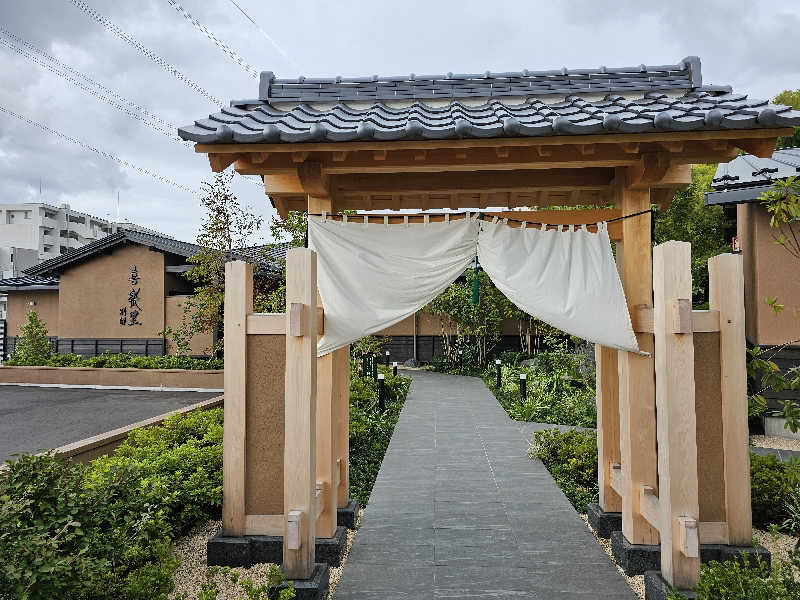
x,y
62,249
27,214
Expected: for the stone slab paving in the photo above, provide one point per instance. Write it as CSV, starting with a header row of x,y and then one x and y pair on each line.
x,y
459,511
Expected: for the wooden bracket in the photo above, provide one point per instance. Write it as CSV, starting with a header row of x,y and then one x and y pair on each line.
x,y
616,478
682,316
689,537
649,506
313,179
763,148
220,162
650,169
293,528
297,319
319,496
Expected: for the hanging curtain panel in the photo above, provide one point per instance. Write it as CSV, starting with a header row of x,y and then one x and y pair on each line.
x,y
371,276
567,279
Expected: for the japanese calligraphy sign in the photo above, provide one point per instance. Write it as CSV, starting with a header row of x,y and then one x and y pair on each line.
x,y
129,314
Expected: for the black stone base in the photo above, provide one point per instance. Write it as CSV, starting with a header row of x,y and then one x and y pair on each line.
x,y
635,559
603,523
315,588
656,587
228,551
348,515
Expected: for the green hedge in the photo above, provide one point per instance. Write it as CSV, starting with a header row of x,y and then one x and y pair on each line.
x,y
371,430
105,530
119,361
571,458
557,391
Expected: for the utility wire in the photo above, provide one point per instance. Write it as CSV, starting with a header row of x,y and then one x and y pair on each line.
x,y
98,151
217,42
268,37
152,55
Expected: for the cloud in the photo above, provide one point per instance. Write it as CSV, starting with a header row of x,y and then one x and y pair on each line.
x,y
743,44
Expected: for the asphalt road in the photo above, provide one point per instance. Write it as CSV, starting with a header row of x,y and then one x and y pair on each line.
x,y
34,419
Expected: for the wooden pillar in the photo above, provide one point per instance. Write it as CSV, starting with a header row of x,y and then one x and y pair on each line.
x,y
726,294
326,452
608,447
678,503
299,458
341,410
238,303
636,377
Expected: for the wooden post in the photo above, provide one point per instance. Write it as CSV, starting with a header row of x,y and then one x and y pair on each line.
x,y
326,457
726,294
608,447
238,303
299,458
679,508
341,409
636,388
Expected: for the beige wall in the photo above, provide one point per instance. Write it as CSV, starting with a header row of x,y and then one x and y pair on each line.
x,y
46,305
428,324
173,307
769,271
178,378
92,293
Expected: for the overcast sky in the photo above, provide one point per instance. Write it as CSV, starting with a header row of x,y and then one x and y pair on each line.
x,y
749,45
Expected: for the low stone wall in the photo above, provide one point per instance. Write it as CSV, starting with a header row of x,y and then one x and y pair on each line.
x,y
91,376
99,445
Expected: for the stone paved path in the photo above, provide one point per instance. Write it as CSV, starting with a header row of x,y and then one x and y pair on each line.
x,y
460,511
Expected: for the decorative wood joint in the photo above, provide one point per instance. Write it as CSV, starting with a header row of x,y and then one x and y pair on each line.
x,y
299,156
293,528
340,156
587,149
501,152
320,321
420,154
689,537
650,169
319,498
543,150
672,146
297,319
630,147
461,154
314,179
379,154
258,158
682,316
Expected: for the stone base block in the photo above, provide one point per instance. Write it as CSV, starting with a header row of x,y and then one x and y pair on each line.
x,y
228,551
315,588
348,515
656,587
635,559
603,523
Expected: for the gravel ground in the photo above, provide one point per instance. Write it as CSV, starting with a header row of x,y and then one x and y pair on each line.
x,y
637,581
191,573
773,441
336,572
779,546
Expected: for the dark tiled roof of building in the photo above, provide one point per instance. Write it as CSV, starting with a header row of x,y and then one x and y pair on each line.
x,y
157,242
489,105
28,281
745,177
272,253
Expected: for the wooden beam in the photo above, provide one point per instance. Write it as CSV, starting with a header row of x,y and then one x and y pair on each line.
x,y
419,183
326,451
677,424
263,525
652,168
608,448
617,478
266,323
636,374
713,532
703,321
726,295
238,304
567,217
313,178
763,148
299,459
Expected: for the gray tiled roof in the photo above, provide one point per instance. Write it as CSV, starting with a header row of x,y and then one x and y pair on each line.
x,y
488,105
28,281
164,244
272,253
745,177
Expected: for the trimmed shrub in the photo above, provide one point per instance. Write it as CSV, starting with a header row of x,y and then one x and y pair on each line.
x,y
119,361
771,483
571,458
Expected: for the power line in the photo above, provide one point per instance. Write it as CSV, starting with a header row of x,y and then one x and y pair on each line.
x,y
152,55
99,152
99,91
217,42
268,37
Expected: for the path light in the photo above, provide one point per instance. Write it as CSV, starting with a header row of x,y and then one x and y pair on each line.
x,y
460,361
387,358
381,392
523,386
499,368
394,369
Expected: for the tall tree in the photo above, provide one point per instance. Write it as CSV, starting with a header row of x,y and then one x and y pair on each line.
x,y
291,230
226,226
790,98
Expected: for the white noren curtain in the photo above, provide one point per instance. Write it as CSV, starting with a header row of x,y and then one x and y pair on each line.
x,y
567,279
371,276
